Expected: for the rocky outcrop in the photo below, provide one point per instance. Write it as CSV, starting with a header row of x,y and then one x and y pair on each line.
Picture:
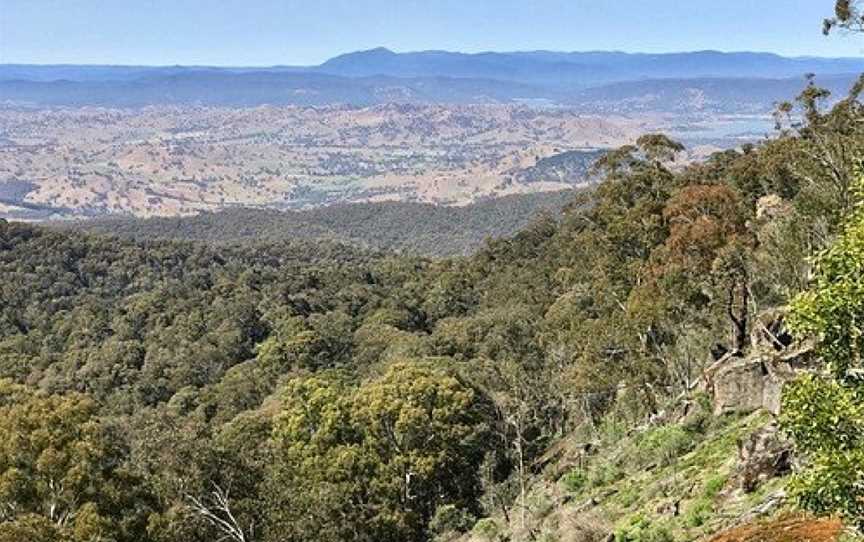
x,y
734,383
561,458
763,455
744,383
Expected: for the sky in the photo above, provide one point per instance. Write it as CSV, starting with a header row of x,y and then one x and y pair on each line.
x,y
306,32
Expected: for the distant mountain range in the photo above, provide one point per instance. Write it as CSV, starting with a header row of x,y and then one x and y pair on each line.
x,y
228,88
715,81
569,70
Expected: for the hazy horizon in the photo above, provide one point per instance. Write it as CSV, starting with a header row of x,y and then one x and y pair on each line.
x,y
396,51
306,33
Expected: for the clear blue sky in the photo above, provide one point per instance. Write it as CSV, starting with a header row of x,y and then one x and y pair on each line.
x,y
267,32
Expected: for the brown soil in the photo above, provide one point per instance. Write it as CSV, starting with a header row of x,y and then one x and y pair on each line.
x,y
790,529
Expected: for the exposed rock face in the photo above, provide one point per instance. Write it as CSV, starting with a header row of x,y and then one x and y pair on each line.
x,y
743,384
763,455
737,384
562,458
747,384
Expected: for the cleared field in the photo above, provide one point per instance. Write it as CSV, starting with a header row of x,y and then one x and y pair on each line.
x,y
170,161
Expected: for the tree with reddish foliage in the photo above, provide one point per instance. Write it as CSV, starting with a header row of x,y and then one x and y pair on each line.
x,y
704,260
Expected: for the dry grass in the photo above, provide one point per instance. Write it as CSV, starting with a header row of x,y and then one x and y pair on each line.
x,y
788,529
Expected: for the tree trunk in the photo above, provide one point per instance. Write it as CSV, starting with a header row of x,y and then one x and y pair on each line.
x,y
739,315
521,478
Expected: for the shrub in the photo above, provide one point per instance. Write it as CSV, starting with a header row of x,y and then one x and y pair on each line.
x,y
585,527
700,418
611,430
604,474
698,513
575,480
450,519
713,486
640,529
541,506
486,528
825,414
664,444
629,495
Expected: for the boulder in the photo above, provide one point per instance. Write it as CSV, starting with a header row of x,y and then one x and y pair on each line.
x,y
747,384
744,383
562,458
763,455
738,386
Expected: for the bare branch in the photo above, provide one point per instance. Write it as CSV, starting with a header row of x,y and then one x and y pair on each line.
x,y
216,510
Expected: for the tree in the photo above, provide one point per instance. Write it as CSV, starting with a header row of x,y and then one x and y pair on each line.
x,y
429,429
321,341
58,470
701,272
32,528
821,149
380,459
825,413
522,414
847,15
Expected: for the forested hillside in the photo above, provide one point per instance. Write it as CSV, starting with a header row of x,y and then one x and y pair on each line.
x,y
296,391
414,228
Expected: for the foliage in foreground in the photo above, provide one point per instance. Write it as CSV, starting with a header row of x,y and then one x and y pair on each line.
x,y
825,412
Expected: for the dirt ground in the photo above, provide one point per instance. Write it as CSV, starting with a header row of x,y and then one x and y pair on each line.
x,y
789,529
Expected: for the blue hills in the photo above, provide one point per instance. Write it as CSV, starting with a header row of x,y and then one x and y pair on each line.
x,y
724,79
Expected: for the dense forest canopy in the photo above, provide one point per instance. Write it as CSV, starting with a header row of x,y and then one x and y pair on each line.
x,y
411,228
288,390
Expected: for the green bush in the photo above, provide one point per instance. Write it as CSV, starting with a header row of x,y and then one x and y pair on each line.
x,y
824,414
611,430
699,513
664,444
713,486
604,474
450,519
640,529
486,528
575,480
629,495
700,418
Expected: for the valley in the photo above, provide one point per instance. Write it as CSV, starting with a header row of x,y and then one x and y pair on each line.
x,y
430,296
181,160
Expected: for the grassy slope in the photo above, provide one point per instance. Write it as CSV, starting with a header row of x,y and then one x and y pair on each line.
x,y
630,486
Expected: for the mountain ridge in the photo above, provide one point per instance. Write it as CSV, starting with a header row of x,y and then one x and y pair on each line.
x,y
383,76
595,58
357,63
